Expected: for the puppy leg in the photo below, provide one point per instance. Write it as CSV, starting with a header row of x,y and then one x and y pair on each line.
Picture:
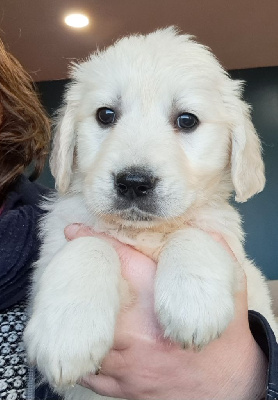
x,y
74,311
194,288
259,298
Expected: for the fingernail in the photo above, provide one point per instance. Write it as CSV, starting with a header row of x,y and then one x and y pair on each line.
x,y
71,230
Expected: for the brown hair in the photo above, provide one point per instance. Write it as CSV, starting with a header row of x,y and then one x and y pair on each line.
x,y
24,126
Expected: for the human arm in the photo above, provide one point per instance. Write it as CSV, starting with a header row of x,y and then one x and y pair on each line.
x,y
143,365
19,240
18,249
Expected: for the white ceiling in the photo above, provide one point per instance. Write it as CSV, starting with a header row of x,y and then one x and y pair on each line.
x,y
242,33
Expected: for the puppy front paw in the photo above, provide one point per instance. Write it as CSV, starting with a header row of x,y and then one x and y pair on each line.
x,y
193,313
69,347
75,307
194,288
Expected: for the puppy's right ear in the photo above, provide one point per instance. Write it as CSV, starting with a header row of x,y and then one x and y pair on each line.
x,y
61,159
247,167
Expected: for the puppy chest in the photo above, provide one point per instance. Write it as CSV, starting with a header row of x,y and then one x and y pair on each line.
x,y
148,243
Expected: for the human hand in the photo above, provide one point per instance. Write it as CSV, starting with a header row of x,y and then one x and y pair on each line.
x,y
144,365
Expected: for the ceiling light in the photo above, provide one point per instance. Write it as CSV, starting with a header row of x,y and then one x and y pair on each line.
x,y
77,20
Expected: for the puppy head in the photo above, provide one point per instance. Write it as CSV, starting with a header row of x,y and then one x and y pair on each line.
x,y
156,125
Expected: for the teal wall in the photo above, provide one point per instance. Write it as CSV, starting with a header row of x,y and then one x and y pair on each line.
x,y
260,214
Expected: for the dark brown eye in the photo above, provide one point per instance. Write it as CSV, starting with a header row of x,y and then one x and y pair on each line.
x,y
106,116
187,121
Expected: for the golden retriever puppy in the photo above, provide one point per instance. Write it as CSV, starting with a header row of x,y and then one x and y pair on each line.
x,y
151,142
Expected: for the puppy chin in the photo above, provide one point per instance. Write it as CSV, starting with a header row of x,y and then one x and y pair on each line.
x,y
135,218
136,215
132,218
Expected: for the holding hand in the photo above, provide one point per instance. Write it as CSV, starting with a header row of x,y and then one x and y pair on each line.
x,y
144,365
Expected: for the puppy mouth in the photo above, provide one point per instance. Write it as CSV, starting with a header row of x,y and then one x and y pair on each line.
x,y
134,214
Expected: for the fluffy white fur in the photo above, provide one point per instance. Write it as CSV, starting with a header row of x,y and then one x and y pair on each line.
x,y
149,80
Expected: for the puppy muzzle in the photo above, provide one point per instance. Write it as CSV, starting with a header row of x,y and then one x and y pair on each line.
x,y
135,191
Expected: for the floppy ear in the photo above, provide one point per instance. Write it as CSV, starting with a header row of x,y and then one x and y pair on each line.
x,y
61,159
247,167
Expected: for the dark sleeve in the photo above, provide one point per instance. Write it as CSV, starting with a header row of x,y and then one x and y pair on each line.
x,y
19,246
265,338
43,390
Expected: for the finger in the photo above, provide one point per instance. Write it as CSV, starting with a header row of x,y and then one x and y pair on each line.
x,y
219,238
102,384
135,265
241,285
114,361
75,231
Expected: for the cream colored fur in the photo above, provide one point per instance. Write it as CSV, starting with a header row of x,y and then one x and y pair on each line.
x,y
149,80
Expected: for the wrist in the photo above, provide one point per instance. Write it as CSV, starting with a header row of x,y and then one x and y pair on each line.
x,y
248,380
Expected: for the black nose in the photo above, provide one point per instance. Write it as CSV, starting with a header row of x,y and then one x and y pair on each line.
x,y
134,184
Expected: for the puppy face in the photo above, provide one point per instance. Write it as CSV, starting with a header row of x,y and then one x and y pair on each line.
x,y
158,127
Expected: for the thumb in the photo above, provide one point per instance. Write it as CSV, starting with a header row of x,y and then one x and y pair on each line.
x,y
75,231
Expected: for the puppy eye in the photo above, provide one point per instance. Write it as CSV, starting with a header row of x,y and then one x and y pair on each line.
x,y
106,116
187,121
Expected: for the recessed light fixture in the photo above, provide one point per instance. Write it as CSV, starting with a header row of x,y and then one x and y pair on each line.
x,y
77,20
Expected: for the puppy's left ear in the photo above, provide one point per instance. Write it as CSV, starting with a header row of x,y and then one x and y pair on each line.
x,y
61,159
247,167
